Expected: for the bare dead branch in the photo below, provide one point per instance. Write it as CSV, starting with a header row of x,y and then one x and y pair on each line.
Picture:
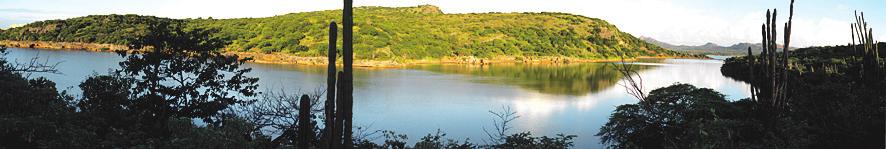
x,y
35,65
501,125
633,83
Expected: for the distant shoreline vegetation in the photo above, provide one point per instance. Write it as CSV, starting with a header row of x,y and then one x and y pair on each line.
x,y
277,58
384,36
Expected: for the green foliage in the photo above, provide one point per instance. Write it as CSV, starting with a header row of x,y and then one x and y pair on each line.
x,y
435,141
105,95
34,114
526,140
235,133
394,140
833,105
183,76
110,29
151,100
677,116
148,103
835,61
380,33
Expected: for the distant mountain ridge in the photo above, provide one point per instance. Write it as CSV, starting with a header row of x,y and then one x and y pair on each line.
x,y
711,48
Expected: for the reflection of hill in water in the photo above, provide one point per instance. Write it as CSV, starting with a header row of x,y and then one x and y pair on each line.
x,y
562,79
316,73
567,79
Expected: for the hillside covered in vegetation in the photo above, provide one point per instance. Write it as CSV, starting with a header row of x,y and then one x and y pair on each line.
x,y
421,32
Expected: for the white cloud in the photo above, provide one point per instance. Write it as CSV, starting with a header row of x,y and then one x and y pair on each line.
x,y
823,31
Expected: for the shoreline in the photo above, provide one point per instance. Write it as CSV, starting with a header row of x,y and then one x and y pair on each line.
x,y
263,58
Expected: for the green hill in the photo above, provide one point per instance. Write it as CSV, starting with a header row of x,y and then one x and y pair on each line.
x,y
110,29
382,33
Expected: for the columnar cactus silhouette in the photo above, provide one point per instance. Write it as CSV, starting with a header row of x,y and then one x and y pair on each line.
x,y
339,94
329,107
305,128
771,88
751,64
785,56
331,135
339,114
348,80
870,51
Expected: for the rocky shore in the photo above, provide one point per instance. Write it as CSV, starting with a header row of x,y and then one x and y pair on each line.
x,y
64,45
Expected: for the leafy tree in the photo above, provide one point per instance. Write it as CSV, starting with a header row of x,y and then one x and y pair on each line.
x,y
676,116
148,103
182,75
106,95
179,76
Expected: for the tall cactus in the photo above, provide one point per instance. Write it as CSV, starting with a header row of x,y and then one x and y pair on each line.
x,y
348,56
340,87
305,128
329,110
751,65
339,115
870,52
784,61
339,97
771,88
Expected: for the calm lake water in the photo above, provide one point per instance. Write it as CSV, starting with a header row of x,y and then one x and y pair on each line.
x,y
573,99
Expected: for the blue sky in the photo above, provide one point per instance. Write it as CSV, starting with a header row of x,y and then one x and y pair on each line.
x,y
689,22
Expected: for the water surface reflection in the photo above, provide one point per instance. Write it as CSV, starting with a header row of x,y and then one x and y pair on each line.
x,y
573,99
